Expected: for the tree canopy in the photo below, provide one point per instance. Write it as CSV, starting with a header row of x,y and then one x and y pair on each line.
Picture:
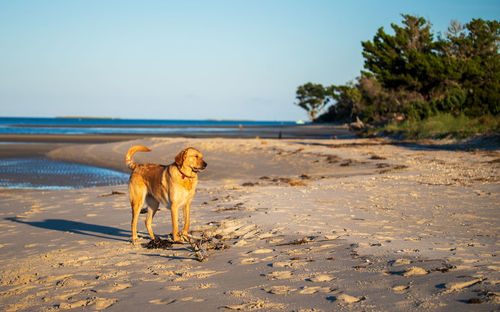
x,y
413,74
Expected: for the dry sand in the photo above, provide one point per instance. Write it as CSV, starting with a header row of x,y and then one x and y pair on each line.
x,y
311,225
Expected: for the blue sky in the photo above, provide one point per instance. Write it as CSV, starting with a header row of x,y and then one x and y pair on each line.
x,y
191,59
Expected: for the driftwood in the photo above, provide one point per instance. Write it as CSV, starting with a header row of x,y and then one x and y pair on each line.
x,y
112,194
301,241
200,245
306,240
196,244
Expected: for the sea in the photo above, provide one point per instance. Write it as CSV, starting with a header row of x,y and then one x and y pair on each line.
x,y
42,173
82,126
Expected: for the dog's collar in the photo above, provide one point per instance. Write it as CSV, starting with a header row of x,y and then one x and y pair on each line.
x,y
183,174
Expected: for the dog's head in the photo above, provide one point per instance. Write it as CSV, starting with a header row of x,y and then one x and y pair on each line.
x,y
191,158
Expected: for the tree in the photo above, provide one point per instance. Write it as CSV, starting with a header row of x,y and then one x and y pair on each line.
x,y
472,67
313,98
481,67
409,74
407,60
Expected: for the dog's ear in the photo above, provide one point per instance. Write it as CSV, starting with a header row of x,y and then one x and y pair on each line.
x,y
179,159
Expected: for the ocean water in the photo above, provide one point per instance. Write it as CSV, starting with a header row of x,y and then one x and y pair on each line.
x,y
72,126
47,174
43,173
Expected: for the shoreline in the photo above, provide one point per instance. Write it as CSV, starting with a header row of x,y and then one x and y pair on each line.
x,y
322,131
311,225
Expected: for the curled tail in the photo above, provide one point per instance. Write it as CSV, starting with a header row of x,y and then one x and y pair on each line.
x,y
131,151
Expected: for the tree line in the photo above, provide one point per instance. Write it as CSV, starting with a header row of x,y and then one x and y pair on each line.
x,y
413,74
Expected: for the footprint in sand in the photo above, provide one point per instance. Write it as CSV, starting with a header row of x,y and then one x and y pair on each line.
x,y
282,264
99,304
261,251
414,271
198,300
115,287
320,278
400,288
162,301
256,305
237,293
104,303
70,282
288,264
401,261
205,285
348,299
280,290
241,243
123,263
173,288
201,274
250,260
72,305
449,287
278,275
307,290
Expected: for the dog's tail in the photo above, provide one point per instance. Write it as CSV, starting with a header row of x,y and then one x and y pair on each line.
x,y
131,151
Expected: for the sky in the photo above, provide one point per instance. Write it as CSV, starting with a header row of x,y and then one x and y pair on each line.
x,y
161,59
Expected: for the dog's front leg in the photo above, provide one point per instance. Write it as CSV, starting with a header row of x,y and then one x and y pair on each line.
x,y
185,210
174,210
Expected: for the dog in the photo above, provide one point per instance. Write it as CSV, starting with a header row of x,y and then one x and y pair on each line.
x,y
173,185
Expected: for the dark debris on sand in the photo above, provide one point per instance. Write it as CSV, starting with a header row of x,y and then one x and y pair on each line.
x,y
159,243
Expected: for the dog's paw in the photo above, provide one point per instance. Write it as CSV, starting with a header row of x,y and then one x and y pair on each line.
x,y
178,238
184,236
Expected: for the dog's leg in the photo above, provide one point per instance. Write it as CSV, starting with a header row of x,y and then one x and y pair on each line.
x,y
174,210
185,210
153,207
136,209
137,196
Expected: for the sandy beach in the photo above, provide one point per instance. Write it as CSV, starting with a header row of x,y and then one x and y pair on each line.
x,y
309,225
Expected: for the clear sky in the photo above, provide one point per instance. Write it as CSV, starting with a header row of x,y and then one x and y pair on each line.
x,y
165,59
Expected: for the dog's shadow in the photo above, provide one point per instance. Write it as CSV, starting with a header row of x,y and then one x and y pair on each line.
x,y
78,227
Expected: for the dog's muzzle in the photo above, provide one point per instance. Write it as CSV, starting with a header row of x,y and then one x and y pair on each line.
x,y
203,166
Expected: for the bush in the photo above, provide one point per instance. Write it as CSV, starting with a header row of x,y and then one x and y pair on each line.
x,y
453,100
443,125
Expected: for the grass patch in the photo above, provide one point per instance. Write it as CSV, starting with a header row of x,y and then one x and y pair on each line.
x,y
441,126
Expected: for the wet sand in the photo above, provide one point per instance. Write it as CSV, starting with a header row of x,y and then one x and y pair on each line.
x,y
311,225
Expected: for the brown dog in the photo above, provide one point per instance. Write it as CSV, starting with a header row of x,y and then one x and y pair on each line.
x,y
173,186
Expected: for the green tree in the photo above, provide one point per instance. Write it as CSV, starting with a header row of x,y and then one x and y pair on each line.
x,y
313,98
407,60
472,68
481,59
409,74
345,98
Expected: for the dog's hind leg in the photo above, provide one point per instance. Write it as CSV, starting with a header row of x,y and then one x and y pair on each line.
x,y
153,208
137,196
